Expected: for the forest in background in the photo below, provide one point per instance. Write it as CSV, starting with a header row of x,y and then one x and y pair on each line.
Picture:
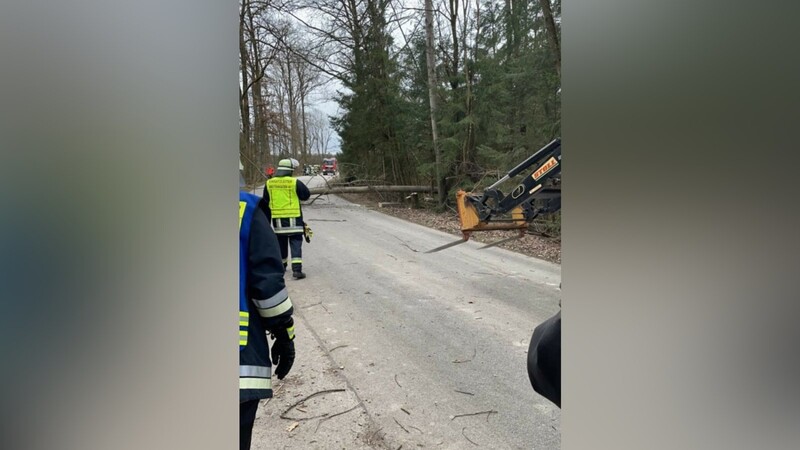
x,y
493,98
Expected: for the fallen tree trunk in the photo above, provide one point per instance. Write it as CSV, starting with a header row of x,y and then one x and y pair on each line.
x,y
363,189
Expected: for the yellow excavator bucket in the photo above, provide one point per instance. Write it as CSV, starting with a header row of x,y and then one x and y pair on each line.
x,y
468,217
470,222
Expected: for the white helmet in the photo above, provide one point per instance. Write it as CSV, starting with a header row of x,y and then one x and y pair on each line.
x,y
288,163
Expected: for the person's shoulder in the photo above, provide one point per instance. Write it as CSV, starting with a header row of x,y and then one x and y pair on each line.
x,y
248,197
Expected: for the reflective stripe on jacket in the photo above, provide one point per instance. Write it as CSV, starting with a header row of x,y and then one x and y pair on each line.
x,y
292,225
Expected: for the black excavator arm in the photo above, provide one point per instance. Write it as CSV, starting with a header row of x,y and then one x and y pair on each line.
x,y
539,192
545,167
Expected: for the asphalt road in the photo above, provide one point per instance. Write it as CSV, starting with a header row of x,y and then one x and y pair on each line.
x,y
414,343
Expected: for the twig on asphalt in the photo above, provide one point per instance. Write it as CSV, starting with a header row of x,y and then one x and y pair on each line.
x,y
376,434
463,392
316,304
474,352
334,415
327,391
465,437
315,199
305,418
489,412
404,410
404,243
395,380
338,346
398,424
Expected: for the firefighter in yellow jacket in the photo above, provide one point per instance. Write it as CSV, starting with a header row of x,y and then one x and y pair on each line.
x,y
283,193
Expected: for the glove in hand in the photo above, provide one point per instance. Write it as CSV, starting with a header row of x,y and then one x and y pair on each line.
x,y
282,356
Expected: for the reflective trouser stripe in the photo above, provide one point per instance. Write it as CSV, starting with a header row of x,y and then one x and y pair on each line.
x,y
297,260
255,383
277,310
273,301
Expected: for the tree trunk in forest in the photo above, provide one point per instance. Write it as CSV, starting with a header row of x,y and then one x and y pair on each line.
x,y
259,110
454,36
244,102
304,148
432,98
552,35
469,140
509,28
290,90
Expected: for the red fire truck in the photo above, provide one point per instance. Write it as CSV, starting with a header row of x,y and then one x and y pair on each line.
x,y
329,166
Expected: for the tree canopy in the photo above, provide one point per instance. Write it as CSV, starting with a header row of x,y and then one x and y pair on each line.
x,y
497,76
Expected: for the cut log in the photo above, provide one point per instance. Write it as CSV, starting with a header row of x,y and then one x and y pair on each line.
x,y
364,189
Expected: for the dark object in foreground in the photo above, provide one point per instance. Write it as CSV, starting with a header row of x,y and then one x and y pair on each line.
x,y
544,359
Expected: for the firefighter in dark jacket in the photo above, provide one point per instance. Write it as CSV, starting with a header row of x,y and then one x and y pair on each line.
x,y
544,358
283,193
264,307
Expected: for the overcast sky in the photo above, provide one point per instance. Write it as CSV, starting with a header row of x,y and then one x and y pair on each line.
x,y
323,99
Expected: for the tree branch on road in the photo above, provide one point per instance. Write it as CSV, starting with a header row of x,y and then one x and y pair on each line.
x,y
488,413
300,402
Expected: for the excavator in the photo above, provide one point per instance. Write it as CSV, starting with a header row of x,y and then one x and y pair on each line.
x,y
539,192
